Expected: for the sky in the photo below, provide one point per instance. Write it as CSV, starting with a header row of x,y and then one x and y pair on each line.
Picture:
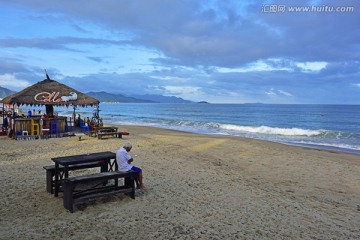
x,y
225,51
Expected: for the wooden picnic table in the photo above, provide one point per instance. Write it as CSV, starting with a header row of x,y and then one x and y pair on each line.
x,y
108,158
108,131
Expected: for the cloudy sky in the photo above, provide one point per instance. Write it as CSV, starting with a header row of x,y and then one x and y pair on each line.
x,y
218,51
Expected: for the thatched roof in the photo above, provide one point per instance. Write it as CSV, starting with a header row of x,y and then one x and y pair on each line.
x,y
50,92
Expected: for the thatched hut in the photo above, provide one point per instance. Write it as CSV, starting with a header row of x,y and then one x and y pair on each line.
x,y
49,93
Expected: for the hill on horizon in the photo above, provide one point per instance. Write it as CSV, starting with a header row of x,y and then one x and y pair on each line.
x,y
4,92
111,97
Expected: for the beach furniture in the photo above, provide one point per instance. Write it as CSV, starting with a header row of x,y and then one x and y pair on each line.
x,y
73,196
84,187
44,129
54,127
83,127
50,172
35,129
68,126
108,131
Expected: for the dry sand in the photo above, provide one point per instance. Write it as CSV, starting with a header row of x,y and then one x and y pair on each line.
x,y
198,187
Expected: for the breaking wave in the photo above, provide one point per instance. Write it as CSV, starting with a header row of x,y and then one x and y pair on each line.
x,y
273,130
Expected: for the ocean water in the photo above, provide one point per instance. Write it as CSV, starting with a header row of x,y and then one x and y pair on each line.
x,y
331,127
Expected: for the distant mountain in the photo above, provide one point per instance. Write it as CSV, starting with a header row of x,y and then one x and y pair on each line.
x,y
162,99
4,92
109,97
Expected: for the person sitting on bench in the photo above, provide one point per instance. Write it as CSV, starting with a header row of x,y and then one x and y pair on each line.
x,y
124,160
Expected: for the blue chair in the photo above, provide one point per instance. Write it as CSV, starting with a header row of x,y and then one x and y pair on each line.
x,y
68,126
54,127
84,127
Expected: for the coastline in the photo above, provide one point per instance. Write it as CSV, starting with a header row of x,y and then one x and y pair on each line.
x,y
303,145
199,186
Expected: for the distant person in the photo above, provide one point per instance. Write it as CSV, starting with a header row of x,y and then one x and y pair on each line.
x,y
78,123
124,160
29,113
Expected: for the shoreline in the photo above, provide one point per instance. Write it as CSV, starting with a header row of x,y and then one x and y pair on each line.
x,y
198,187
310,146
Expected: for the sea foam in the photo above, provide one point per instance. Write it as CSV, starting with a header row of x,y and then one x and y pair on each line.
x,y
272,130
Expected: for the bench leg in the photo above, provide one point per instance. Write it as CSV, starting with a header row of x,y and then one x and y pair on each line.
x,y
68,188
49,181
104,167
130,183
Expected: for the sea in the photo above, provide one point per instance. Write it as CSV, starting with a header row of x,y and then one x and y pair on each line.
x,y
330,127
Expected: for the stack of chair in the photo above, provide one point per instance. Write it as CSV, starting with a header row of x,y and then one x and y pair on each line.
x,y
44,127
54,127
84,127
68,126
34,128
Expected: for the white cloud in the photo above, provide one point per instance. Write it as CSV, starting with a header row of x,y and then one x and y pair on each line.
x,y
277,92
10,81
182,91
258,66
311,66
357,85
271,92
173,79
285,93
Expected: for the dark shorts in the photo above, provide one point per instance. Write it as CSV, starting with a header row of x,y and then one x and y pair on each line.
x,y
136,169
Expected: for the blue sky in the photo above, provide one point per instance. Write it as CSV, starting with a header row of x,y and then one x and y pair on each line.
x,y
218,51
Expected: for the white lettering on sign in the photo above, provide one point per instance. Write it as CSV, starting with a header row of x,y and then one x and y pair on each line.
x,y
47,97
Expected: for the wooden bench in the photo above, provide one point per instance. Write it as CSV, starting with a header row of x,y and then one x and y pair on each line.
x,y
73,196
50,172
115,134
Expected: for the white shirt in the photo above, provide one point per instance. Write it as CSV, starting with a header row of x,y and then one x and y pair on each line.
x,y
122,158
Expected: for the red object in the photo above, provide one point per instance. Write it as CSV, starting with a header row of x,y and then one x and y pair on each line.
x,y
125,133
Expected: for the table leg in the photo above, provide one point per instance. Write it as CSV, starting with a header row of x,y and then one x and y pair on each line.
x,y
104,166
66,171
57,173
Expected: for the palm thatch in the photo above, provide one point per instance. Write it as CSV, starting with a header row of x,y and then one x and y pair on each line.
x,y
50,92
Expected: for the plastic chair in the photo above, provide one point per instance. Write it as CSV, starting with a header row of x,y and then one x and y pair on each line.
x,y
44,129
68,126
34,128
84,127
54,127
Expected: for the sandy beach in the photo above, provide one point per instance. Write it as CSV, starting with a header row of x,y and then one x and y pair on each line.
x,y
198,187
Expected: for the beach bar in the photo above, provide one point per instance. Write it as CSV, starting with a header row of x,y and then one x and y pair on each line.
x,y
48,93
26,125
